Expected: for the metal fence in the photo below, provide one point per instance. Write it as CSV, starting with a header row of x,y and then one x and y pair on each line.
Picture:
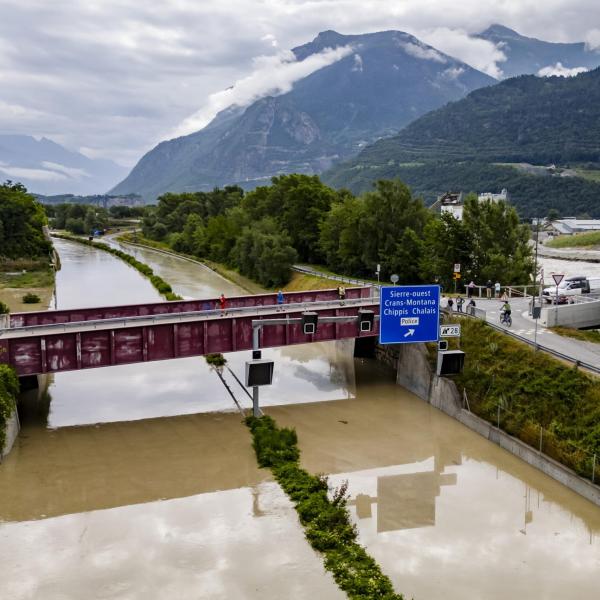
x,y
545,441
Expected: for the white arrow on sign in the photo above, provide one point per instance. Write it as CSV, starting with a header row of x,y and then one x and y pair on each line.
x,y
409,333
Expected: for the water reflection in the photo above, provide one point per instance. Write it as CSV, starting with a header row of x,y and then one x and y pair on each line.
x,y
321,371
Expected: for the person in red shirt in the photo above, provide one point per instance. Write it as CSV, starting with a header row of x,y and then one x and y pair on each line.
x,y
223,302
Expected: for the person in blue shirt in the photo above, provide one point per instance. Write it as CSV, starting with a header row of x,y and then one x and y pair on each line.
x,y
280,300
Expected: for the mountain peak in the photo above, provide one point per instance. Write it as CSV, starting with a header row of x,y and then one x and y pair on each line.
x,y
497,30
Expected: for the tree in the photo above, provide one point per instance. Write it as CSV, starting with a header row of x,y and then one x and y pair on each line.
x,y
388,212
22,221
446,242
500,248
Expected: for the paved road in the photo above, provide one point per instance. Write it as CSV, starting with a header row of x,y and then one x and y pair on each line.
x,y
524,327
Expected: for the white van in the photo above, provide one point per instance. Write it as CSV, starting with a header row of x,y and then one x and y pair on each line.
x,y
571,286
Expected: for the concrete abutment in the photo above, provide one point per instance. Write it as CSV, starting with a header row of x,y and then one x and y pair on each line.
x,y
416,375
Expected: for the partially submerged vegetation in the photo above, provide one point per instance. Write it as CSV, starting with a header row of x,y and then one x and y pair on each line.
x,y
527,390
325,518
9,390
158,282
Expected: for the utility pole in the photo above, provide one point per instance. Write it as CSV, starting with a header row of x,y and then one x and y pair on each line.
x,y
535,274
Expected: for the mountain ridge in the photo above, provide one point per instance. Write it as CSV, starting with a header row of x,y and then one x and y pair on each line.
x,y
387,80
46,167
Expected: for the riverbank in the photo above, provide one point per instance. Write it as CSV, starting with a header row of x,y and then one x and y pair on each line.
x,y
163,287
21,277
298,281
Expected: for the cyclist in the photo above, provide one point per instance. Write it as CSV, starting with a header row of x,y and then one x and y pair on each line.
x,y
505,313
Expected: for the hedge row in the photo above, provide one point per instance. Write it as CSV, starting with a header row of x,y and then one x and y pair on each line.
x,y
326,520
9,390
158,282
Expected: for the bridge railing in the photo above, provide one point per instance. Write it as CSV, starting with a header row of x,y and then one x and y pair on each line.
x,y
181,306
179,317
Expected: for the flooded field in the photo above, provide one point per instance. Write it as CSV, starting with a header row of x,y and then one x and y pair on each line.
x,y
141,482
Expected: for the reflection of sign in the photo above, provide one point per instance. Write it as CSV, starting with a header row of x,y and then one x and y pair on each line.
x,y
409,314
450,331
558,277
457,267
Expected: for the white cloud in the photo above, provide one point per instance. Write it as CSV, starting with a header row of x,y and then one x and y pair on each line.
x,y
559,70
272,75
453,73
358,63
69,171
592,40
33,174
115,76
422,52
478,53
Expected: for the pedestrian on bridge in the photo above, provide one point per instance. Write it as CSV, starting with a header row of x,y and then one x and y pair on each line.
x,y
470,289
342,293
279,300
459,304
488,288
222,302
471,307
497,289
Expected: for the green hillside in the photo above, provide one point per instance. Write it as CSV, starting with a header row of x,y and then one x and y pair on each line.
x,y
526,119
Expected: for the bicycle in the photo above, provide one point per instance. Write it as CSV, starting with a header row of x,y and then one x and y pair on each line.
x,y
505,319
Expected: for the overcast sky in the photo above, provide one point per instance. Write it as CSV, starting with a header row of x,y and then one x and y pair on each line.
x,y
111,78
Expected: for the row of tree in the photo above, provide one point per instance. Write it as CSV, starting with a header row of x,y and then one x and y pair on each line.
x,y
298,218
83,218
22,221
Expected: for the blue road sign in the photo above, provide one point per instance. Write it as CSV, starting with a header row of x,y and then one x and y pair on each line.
x,y
409,314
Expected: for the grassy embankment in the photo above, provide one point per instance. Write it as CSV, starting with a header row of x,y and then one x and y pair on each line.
x,y
585,335
159,283
324,516
297,282
578,240
23,276
533,390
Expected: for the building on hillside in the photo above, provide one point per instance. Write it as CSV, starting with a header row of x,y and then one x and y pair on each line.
x,y
489,196
453,202
571,225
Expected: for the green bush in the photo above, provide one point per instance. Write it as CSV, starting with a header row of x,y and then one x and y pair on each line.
x,y
216,359
4,310
30,298
9,389
326,521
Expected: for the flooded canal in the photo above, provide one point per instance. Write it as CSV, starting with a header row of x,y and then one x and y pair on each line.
x,y
140,481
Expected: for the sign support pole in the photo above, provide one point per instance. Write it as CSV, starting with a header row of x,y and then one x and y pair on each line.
x,y
256,353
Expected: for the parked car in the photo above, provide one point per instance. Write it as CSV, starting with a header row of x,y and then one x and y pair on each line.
x,y
571,286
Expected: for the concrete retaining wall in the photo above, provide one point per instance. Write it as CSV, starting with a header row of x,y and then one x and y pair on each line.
x,y
12,431
415,374
582,314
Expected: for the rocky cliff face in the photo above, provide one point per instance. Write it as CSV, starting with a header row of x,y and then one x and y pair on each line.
x,y
384,82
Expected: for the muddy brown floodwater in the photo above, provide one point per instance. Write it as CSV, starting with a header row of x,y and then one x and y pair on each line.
x,y
141,482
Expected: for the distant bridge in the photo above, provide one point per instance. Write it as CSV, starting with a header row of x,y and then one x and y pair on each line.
x,y
86,338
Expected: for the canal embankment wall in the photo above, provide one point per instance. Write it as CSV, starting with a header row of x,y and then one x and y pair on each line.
x,y
11,431
414,373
